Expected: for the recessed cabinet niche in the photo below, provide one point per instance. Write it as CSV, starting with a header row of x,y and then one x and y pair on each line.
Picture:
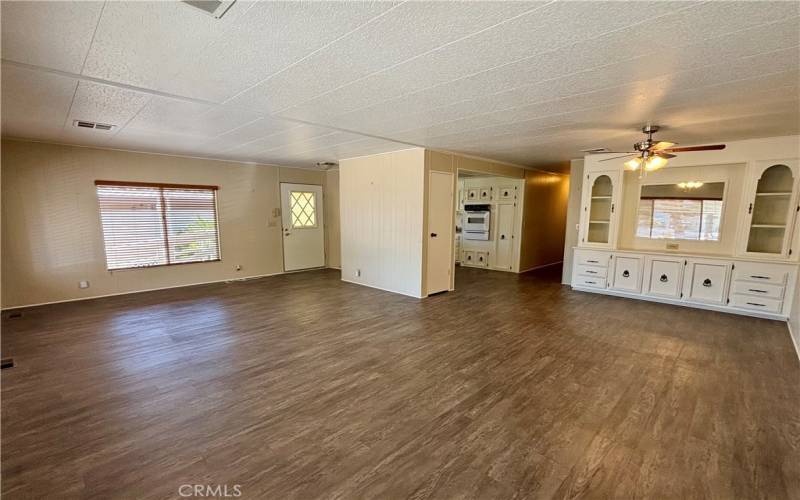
x,y
771,208
600,200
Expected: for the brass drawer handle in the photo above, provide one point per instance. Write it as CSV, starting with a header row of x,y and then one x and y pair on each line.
x,y
663,278
707,283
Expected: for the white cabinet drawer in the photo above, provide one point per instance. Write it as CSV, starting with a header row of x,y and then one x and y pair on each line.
x,y
757,303
482,259
592,258
627,274
665,277
758,289
590,282
706,281
593,271
760,273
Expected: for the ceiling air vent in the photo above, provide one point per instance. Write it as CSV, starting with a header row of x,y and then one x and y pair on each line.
x,y
214,8
105,127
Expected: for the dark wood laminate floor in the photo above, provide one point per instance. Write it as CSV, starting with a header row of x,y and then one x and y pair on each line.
x,y
301,386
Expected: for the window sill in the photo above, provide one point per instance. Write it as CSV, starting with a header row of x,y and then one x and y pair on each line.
x,y
138,268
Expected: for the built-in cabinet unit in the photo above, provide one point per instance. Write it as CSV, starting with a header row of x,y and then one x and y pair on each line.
x,y
771,204
753,270
504,197
724,284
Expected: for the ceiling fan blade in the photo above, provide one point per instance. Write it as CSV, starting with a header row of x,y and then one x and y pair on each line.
x,y
710,147
662,145
594,151
664,155
618,157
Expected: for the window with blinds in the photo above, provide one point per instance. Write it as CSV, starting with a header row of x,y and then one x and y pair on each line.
x,y
147,225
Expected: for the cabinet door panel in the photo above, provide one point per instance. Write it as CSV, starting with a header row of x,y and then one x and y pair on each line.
x,y
504,248
665,278
707,282
627,274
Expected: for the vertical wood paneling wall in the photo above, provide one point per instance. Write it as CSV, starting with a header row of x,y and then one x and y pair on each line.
x,y
381,206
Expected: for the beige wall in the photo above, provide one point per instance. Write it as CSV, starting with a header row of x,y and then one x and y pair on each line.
x,y
571,233
381,203
51,232
543,220
333,242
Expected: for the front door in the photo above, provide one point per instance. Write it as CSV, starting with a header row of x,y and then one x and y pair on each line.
x,y
440,229
303,233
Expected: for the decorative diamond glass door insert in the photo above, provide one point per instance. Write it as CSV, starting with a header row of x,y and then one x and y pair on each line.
x,y
304,214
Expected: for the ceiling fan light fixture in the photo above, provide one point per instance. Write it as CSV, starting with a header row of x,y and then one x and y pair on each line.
x,y
633,163
654,163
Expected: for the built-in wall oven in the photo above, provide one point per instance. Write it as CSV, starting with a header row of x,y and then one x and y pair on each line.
x,y
476,222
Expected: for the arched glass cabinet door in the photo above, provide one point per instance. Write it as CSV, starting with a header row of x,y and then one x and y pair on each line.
x,y
600,210
771,211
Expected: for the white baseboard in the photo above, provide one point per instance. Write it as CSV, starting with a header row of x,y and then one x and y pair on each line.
x,y
383,289
694,305
541,267
246,278
794,339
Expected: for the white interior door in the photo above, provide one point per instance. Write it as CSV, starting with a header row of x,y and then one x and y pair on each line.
x,y
440,231
303,233
504,252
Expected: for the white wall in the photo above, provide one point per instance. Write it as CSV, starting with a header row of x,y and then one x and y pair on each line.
x,y
794,320
52,236
382,211
573,217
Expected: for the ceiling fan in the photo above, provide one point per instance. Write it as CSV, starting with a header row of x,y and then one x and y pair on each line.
x,y
649,154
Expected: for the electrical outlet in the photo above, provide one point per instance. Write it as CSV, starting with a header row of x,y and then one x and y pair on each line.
x,y
83,284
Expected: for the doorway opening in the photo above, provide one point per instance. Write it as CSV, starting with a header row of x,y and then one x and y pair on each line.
x,y
488,221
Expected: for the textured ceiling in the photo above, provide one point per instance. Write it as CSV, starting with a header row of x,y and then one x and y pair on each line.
x,y
295,83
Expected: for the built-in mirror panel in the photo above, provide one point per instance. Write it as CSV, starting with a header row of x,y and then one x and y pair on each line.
x,y
688,210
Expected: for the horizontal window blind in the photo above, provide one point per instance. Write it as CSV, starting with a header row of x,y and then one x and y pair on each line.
x,y
147,225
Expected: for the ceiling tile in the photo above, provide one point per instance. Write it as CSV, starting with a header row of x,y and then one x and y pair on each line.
x,y
34,104
148,44
52,34
406,31
276,34
106,104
